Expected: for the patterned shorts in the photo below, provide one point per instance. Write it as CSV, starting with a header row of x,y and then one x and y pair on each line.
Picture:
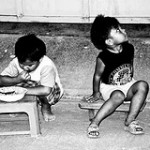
x,y
55,95
52,98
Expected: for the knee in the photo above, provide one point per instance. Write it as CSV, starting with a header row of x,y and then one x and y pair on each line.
x,y
117,96
143,86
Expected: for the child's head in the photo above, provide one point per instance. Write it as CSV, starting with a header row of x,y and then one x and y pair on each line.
x,y
102,28
29,49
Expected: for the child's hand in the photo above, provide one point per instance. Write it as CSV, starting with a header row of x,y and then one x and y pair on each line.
x,y
94,98
97,95
30,83
24,76
27,84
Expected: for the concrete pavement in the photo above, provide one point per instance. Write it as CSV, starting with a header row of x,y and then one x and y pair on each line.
x,y
68,132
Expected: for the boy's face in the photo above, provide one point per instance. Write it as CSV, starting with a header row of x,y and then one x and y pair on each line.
x,y
29,66
118,35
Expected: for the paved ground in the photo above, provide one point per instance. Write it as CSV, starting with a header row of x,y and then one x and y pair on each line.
x,y
68,132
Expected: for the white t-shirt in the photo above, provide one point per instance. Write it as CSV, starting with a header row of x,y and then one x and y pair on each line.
x,y
45,74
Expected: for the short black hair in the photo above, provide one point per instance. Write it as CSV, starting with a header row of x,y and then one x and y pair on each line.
x,y
101,28
29,47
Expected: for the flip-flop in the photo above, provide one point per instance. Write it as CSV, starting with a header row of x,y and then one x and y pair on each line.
x,y
134,128
93,131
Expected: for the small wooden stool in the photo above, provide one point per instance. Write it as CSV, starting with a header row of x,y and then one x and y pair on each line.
x,y
94,107
28,105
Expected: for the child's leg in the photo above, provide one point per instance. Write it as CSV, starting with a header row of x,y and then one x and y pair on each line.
x,y
48,101
137,95
116,99
46,109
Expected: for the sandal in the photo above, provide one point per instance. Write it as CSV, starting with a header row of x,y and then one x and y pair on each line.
x,y
93,131
134,128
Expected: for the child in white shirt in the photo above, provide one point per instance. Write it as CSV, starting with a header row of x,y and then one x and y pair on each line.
x,y
32,69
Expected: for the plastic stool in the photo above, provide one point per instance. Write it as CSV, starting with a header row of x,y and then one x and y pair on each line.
x,y
28,105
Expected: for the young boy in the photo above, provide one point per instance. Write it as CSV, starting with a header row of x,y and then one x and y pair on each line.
x,y
113,78
32,69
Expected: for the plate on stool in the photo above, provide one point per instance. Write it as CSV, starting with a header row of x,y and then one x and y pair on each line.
x,y
12,93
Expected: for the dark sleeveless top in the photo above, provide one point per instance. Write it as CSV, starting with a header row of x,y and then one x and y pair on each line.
x,y
118,67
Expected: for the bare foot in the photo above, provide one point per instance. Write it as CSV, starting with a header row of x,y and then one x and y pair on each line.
x,y
47,113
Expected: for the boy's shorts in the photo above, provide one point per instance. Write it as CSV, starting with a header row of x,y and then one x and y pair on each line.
x,y
55,95
52,98
107,89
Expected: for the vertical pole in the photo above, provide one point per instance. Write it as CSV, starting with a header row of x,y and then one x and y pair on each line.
x,y
19,8
85,11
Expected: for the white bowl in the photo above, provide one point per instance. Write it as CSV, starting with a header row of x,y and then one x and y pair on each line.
x,y
12,93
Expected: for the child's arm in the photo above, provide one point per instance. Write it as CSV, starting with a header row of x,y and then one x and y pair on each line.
x,y
97,78
96,82
46,83
10,81
39,90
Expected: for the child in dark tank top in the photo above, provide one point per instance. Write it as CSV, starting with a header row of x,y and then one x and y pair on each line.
x,y
113,77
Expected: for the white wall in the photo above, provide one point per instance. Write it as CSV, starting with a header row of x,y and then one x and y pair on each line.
x,y
128,11
77,11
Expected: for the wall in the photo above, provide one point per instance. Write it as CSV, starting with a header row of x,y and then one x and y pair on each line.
x,y
73,11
